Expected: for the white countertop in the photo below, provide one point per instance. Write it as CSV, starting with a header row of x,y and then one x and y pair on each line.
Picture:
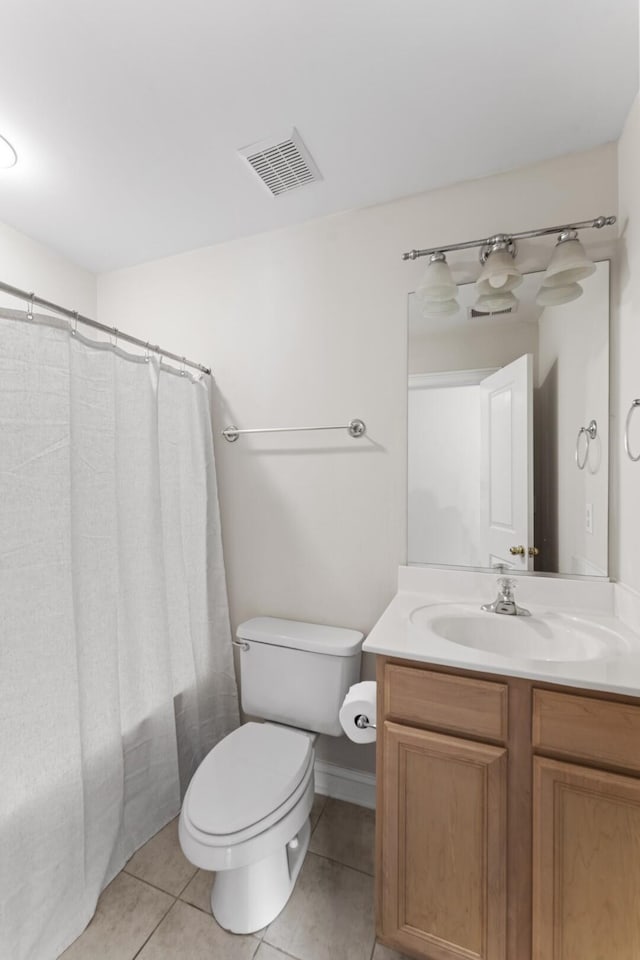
x,y
394,635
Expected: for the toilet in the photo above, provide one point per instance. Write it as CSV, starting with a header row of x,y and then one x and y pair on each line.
x,y
246,811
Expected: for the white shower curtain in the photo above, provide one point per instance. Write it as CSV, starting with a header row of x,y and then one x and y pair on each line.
x,y
116,673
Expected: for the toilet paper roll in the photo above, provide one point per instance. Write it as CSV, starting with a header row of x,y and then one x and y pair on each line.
x,y
359,702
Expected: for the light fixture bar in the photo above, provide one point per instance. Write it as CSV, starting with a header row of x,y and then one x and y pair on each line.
x,y
598,223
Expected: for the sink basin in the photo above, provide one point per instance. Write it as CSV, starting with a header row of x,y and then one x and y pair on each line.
x,y
551,636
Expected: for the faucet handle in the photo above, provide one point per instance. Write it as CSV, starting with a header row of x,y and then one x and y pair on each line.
x,y
506,585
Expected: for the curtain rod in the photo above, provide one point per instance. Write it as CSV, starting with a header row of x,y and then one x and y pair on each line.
x,y
598,223
33,300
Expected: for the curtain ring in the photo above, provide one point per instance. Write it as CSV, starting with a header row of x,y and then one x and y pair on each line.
x,y
113,337
183,372
147,352
30,307
75,323
636,403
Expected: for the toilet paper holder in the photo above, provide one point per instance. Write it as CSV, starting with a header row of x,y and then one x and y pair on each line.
x,y
362,722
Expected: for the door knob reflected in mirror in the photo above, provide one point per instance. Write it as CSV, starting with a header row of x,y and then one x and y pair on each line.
x,y
534,552
517,551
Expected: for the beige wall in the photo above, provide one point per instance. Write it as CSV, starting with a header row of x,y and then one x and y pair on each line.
x,y
308,326
30,265
625,350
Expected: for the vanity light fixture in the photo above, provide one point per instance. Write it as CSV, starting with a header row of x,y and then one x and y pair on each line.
x,y
555,296
499,271
437,283
437,290
433,309
498,301
500,275
569,262
8,156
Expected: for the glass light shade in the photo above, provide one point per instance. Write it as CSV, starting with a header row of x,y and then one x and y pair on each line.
x,y
554,296
8,156
569,264
437,283
496,301
499,273
433,309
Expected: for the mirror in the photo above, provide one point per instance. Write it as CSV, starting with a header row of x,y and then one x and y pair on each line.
x,y
508,433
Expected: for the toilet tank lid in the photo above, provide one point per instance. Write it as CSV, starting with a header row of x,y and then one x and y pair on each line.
x,y
312,637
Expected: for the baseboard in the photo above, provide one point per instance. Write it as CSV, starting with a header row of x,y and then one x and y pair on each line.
x,y
341,783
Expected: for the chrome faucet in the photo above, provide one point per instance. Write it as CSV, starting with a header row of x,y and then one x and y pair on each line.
x,y
505,601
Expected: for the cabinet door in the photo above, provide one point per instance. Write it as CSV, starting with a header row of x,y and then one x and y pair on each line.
x,y
444,845
586,864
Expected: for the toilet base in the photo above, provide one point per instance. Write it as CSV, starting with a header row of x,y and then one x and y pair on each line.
x,y
246,899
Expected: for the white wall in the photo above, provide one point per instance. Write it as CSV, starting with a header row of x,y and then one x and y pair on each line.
x,y
625,348
573,389
444,475
492,345
308,326
30,265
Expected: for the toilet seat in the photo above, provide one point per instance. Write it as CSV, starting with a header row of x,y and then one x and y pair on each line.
x,y
248,782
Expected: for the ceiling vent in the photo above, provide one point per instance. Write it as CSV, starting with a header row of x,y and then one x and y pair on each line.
x,y
473,312
282,164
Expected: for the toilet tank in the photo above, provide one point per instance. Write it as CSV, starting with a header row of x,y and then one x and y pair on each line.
x,y
297,673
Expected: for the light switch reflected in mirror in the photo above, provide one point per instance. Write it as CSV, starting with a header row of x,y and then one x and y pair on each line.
x,y
495,407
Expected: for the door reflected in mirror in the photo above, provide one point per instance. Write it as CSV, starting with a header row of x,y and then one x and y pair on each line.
x,y
508,433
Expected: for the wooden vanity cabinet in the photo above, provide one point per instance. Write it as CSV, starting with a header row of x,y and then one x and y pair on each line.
x,y
586,866
442,852
586,827
508,820
446,864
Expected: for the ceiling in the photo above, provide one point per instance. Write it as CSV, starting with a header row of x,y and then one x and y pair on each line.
x,y
127,116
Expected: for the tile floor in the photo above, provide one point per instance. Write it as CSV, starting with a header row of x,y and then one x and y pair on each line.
x,y
158,908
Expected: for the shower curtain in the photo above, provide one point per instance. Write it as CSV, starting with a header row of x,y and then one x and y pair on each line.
x,y
116,673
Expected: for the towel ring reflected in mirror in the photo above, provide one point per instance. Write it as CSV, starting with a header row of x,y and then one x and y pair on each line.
x,y
636,403
590,433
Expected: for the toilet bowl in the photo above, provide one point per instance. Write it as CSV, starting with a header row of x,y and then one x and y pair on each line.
x,y
245,814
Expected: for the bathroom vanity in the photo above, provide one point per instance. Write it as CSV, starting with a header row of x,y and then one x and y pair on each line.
x,y
508,806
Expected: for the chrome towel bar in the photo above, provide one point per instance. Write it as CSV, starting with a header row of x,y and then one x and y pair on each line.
x,y
355,428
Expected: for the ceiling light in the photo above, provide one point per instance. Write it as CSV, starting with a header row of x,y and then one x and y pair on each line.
x,y
8,156
437,283
569,262
496,302
499,271
554,296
